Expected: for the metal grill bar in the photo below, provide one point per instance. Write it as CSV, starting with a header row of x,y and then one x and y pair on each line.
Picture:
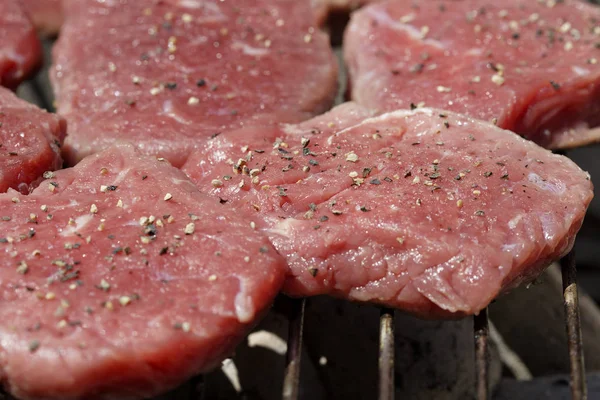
x,y
482,331
571,302
291,380
386,355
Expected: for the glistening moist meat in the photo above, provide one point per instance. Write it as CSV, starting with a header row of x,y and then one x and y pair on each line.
x,y
30,141
121,280
427,211
46,15
529,66
20,50
168,74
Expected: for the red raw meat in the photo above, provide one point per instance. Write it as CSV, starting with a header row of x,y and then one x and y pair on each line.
x,y
30,141
530,66
47,15
121,280
20,50
427,211
167,75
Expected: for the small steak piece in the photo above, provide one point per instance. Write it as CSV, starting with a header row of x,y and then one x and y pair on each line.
x,y
427,211
46,15
167,74
20,49
119,279
530,66
30,141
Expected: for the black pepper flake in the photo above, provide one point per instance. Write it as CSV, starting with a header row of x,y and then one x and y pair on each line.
x,y
259,151
3,240
144,177
413,106
435,175
415,69
282,191
313,271
263,249
163,251
505,176
201,82
447,124
364,209
375,181
55,184
407,174
480,213
287,168
324,218
488,174
171,85
516,35
34,345
13,153
472,138
555,85
312,206
313,162
388,179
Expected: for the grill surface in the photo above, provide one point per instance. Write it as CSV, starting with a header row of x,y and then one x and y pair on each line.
x,y
38,91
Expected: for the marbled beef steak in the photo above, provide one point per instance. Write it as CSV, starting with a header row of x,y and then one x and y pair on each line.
x,y
30,141
530,66
168,74
20,50
119,279
426,210
46,15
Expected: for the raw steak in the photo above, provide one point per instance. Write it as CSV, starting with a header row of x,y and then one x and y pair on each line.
x,y
20,50
30,141
119,279
47,15
427,211
530,66
166,74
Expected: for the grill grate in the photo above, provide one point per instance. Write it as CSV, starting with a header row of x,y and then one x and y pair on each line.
x,y
40,93
482,355
386,355
481,336
571,300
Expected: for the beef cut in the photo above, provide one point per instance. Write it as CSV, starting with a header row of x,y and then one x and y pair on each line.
x,y
46,15
529,66
426,210
30,141
20,50
167,74
119,279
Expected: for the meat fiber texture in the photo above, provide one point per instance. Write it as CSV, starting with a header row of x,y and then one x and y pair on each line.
x,y
119,279
30,141
20,50
427,211
530,66
47,15
167,74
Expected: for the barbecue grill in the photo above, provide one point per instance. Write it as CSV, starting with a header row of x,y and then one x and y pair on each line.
x,y
37,91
